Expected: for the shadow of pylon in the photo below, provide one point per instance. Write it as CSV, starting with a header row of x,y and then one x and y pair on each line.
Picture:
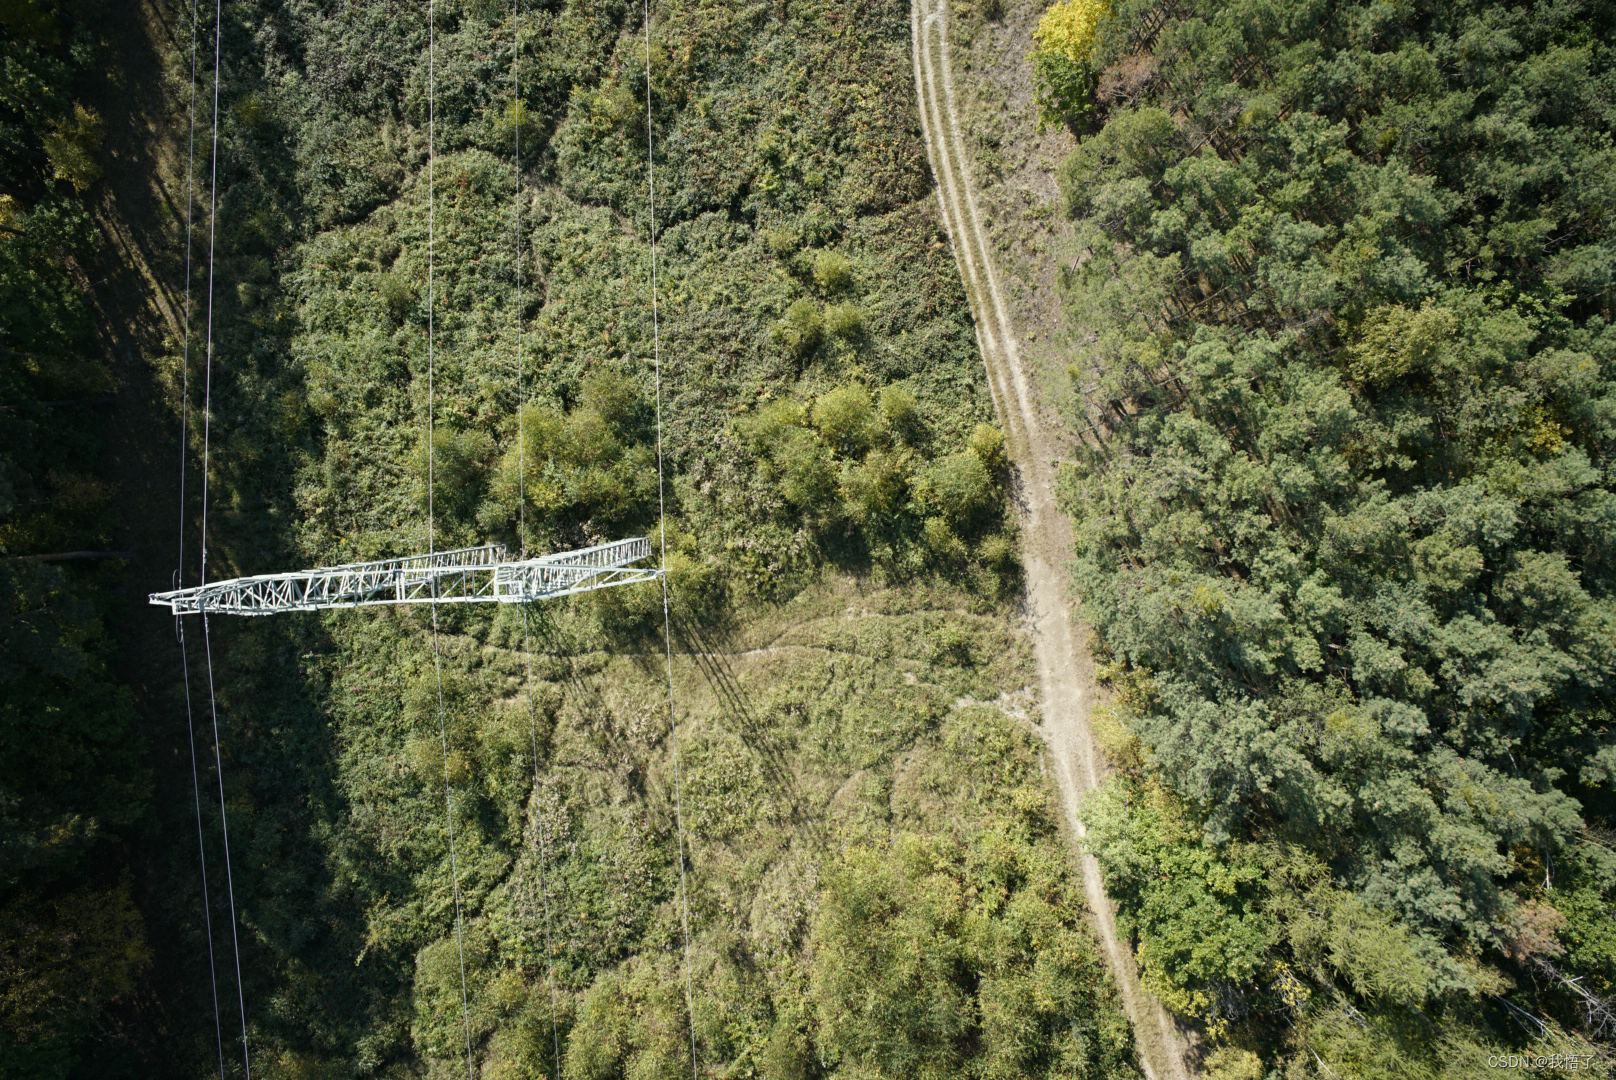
x,y
691,641
584,692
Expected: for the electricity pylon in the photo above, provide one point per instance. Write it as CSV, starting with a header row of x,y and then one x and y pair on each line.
x,y
465,576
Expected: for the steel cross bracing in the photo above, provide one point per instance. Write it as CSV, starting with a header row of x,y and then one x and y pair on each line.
x,y
466,576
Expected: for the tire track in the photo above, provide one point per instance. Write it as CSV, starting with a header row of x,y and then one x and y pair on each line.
x,y
1065,670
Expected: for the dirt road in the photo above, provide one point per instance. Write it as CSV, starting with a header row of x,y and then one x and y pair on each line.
x,y
1065,670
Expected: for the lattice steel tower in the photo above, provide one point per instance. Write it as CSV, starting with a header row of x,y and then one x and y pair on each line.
x,y
466,576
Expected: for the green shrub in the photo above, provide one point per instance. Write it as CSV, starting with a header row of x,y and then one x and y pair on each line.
x,y
1195,913
807,479
457,464
802,328
1065,88
847,419
396,295
958,487
922,970
987,443
832,271
1229,1063
631,1022
595,463
996,551
942,541
436,1029
610,109
844,320
618,398
781,243
72,144
764,428
900,410
518,121
877,489
523,470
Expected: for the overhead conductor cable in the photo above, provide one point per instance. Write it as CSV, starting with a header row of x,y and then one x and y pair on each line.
x,y
207,434
179,572
521,527
662,524
431,521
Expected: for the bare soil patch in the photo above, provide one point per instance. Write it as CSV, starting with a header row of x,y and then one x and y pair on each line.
x,y
996,188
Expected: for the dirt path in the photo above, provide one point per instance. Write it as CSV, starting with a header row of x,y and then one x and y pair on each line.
x,y
1035,444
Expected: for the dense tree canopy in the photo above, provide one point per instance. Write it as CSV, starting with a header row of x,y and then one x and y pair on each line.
x,y
1347,295
72,786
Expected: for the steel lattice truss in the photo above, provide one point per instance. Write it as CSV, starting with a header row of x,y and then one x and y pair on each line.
x,y
466,576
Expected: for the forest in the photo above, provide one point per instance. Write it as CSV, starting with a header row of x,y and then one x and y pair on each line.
x,y
73,790
1343,317
447,218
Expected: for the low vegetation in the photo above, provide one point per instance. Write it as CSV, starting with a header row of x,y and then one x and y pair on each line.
x,y
872,876
876,885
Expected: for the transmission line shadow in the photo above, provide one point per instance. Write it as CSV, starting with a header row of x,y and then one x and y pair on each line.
x,y
551,641
772,752
689,639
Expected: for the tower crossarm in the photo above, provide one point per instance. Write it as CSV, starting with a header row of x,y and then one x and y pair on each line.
x,y
574,571
468,575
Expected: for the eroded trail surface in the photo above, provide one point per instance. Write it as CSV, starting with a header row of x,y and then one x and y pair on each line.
x,y
1065,669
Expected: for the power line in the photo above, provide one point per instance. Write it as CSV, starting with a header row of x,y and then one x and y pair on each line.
x,y
516,203
521,526
179,572
431,521
544,877
185,360
662,524
207,906
224,825
207,430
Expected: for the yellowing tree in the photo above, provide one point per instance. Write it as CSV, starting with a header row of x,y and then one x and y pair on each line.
x,y
1065,38
71,146
1069,28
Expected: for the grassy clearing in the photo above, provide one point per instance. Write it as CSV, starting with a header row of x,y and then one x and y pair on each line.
x,y
876,881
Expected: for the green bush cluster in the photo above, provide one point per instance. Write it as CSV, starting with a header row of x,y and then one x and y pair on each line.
x,y
859,462
594,464
941,958
1347,545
